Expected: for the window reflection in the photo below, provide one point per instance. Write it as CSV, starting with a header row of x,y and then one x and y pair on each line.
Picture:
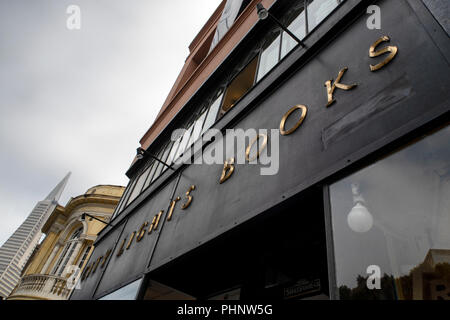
x,y
318,10
297,27
270,55
395,215
129,292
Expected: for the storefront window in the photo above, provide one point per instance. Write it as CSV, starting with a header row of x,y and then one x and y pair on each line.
x,y
391,225
129,292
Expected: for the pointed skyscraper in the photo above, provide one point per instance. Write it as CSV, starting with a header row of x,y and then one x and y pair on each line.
x,y
16,251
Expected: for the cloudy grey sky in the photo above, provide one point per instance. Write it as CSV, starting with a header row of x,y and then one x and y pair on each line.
x,y
80,100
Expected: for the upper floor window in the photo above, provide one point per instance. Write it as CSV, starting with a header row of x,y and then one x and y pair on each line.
x,y
304,16
67,253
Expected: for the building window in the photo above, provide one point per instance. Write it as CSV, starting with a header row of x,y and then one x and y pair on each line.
x,y
391,225
318,10
300,22
66,253
139,185
239,86
270,54
84,257
212,112
129,292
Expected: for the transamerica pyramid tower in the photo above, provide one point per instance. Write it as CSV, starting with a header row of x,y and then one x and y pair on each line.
x,y
16,251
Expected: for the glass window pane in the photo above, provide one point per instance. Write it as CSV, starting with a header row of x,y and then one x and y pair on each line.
x,y
139,184
239,86
184,141
161,167
133,183
392,219
212,113
157,165
174,150
150,175
269,56
166,155
318,10
298,28
122,201
197,129
129,292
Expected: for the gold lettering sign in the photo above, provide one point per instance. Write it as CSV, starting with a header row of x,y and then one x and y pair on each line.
x,y
259,150
108,253
189,197
88,271
141,232
131,240
285,132
229,167
158,216
373,54
97,262
120,251
337,84
172,207
228,170
152,225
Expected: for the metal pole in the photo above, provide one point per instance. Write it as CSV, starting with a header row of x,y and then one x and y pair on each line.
x,y
86,214
286,30
152,156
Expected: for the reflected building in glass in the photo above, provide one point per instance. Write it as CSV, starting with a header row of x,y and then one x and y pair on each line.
x,y
356,132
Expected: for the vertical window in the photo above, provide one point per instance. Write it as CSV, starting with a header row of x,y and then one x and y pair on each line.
x,y
391,225
66,253
196,132
212,112
239,86
153,166
84,257
184,141
173,151
318,10
163,158
122,201
270,54
156,165
139,185
297,27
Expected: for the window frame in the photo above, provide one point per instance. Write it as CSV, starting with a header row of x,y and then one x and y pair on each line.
x,y
379,154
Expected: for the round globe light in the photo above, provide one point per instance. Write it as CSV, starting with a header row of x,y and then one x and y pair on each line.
x,y
360,219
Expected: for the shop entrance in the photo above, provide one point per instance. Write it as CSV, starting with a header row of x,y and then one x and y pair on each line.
x,y
281,254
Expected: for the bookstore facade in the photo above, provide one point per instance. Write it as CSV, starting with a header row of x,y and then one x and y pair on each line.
x,y
356,126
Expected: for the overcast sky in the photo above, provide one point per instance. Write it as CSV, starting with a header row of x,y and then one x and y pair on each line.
x,y
80,100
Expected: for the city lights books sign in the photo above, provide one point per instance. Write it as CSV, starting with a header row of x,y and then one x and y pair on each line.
x,y
148,227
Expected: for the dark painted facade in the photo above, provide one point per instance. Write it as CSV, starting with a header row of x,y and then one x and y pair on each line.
x,y
272,236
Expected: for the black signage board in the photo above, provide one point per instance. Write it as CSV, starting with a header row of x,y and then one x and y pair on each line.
x,y
92,275
409,91
126,265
